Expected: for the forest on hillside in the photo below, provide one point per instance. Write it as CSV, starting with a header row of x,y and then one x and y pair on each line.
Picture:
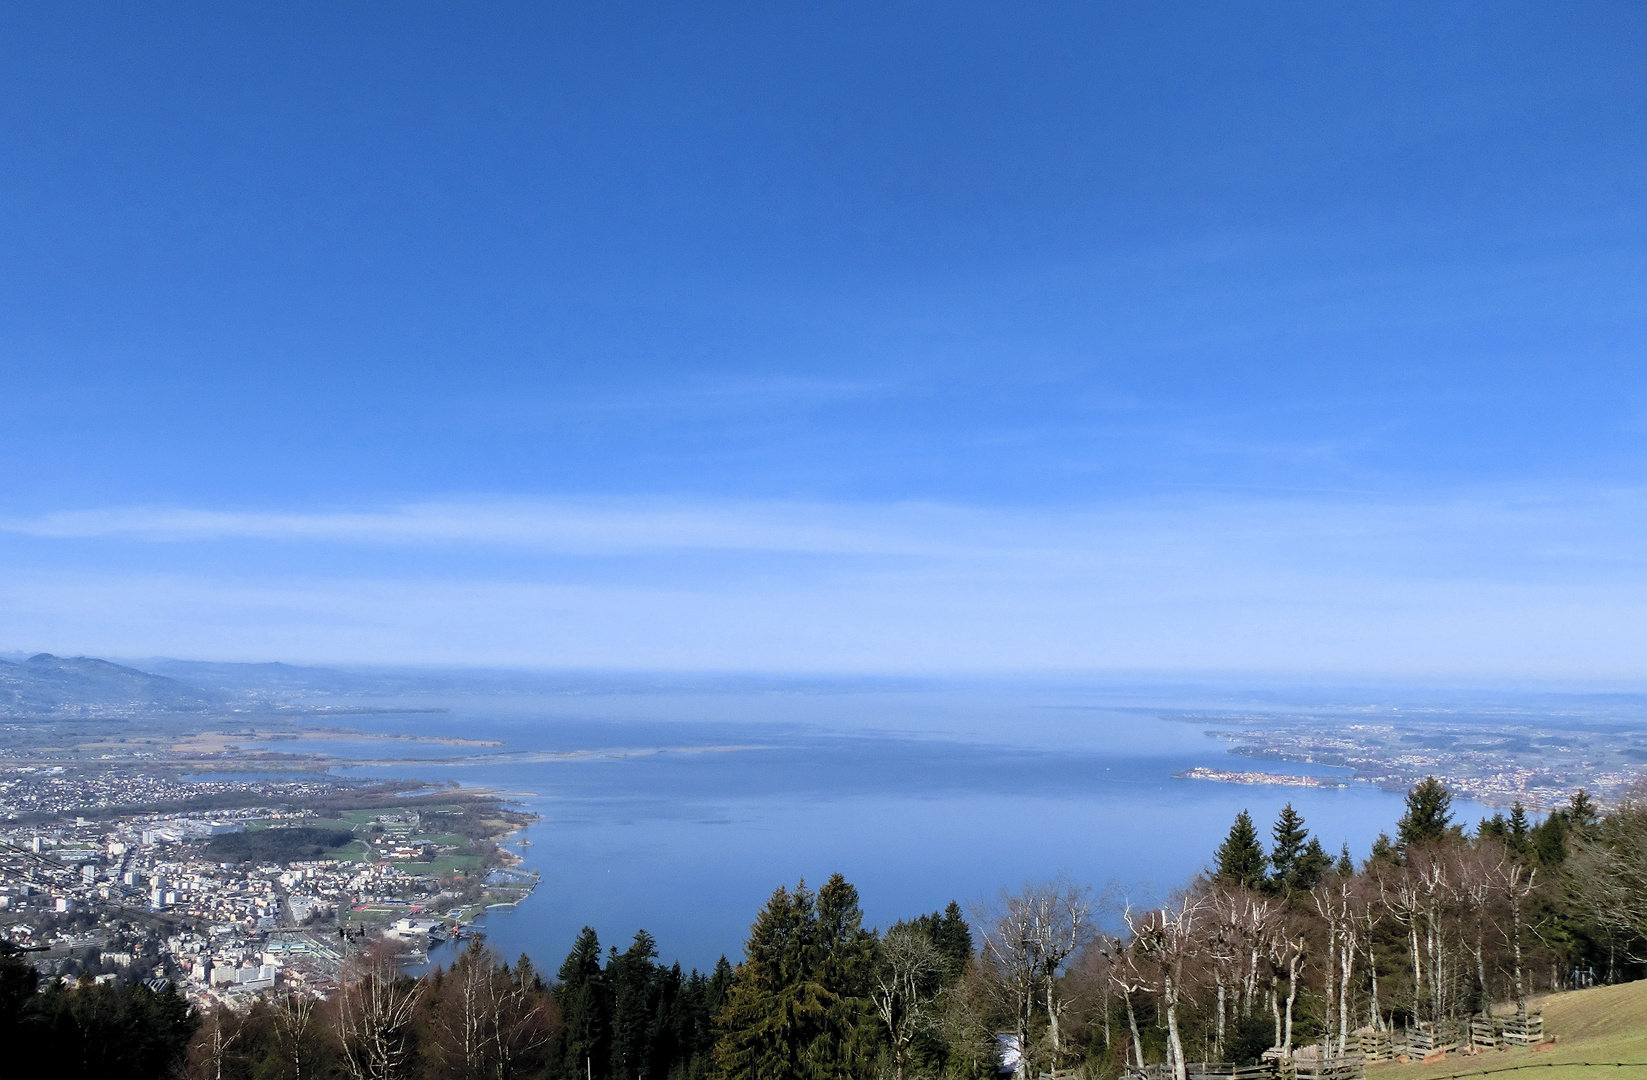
x,y
1278,945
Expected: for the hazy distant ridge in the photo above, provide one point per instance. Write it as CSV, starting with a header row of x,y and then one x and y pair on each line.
x,y
47,685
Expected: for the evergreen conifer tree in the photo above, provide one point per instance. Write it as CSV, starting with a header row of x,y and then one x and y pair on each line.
x,y
632,978
1241,859
1289,835
1384,851
1581,811
1517,830
1548,841
1345,867
1311,865
18,983
694,1039
950,935
797,1006
584,1046
953,937
775,1009
930,1052
1428,816
847,970
720,984
675,1014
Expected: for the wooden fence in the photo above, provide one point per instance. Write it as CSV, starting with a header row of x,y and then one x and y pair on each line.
x,y
1522,1029
1369,1046
1321,1067
1376,1045
1484,1031
1425,1038
1205,1070
1349,1067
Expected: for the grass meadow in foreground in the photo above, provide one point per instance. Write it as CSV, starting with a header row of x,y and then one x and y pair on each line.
x,y
1605,1024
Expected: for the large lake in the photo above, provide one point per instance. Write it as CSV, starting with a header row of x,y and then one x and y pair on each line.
x,y
680,812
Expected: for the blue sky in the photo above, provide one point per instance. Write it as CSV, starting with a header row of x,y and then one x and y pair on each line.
x,y
1295,339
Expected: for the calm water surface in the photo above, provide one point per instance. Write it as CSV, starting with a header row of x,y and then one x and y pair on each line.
x,y
680,813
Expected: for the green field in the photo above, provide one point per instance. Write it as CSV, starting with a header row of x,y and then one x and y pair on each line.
x,y
345,821
465,859
1604,1026
443,864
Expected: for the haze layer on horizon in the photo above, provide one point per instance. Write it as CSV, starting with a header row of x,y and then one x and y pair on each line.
x,y
900,338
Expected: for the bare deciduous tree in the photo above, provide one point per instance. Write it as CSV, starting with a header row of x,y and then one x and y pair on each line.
x,y
1288,947
1237,927
490,1022
212,1045
908,974
1167,937
1608,873
297,1032
373,1011
1028,937
1125,974
1516,881
1335,902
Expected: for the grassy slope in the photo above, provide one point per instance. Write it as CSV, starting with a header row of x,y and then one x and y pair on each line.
x,y
1607,1023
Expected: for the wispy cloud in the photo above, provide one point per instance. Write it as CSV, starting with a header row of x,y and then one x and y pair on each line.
x,y
1489,532
572,527
1545,584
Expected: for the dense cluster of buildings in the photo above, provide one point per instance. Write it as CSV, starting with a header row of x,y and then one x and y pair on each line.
x,y
43,790
148,896
1497,766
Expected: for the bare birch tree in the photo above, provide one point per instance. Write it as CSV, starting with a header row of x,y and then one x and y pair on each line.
x,y
1516,881
373,1013
1402,898
1167,937
297,1035
1288,949
1436,881
1334,901
1127,977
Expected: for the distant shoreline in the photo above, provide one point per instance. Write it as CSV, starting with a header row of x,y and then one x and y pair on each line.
x,y
1228,776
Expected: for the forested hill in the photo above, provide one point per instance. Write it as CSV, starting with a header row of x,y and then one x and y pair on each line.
x,y
47,685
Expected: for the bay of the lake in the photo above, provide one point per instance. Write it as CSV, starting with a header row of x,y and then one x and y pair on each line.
x,y
680,812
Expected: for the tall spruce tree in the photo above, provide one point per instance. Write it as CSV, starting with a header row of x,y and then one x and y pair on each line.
x,y
775,1009
583,1047
1311,866
1548,841
634,984
1581,811
953,937
1289,835
846,968
720,984
1429,814
1241,859
1517,830
797,1008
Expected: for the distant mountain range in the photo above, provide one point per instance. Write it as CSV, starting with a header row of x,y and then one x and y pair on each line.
x,y
266,679
47,685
